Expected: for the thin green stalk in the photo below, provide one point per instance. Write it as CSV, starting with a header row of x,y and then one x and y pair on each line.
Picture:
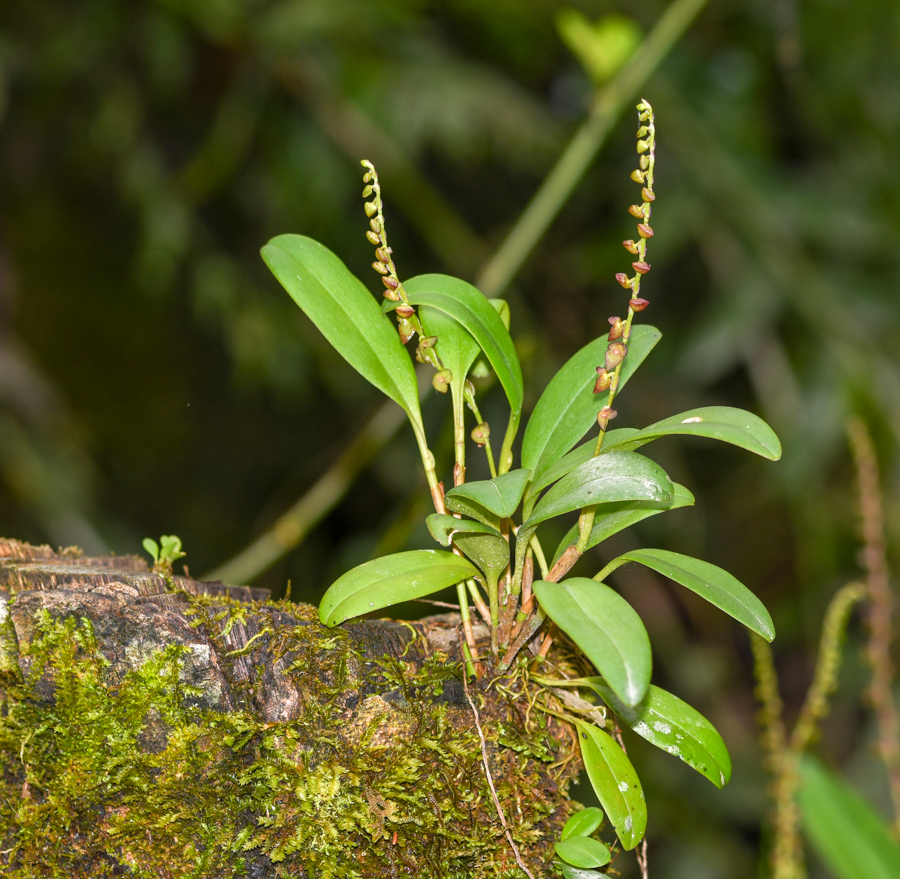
x,y
539,555
557,188
470,402
470,651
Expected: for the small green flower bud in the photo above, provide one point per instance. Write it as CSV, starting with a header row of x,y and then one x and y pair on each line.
x,y
648,194
638,304
644,230
615,354
644,162
373,237
636,211
630,246
391,283
428,342
406,330
624,280
375,224
641,267
643,131
617,327
643,146
481,433
441,380
381,268
370,208
368,191
637,175
604,379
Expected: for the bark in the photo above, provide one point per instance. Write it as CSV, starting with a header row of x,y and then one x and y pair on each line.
x,y
156,726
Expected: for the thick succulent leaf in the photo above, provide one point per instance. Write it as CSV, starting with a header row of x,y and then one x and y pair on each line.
x,y
850,837
718,587
462,302
583,823
615,782
672,725
609,519
499,496
391,580
442,527
605,627
734,426
489,552
612,478
347,315
583,852
568,407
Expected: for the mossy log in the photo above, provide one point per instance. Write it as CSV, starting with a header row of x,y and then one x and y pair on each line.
x,y
155,726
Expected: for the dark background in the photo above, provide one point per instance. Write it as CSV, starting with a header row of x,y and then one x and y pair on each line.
x,y
154,379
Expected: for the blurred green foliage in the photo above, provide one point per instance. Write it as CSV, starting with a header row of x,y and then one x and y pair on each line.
x,y
154,378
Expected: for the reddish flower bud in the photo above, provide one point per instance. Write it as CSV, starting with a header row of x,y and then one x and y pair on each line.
x,y
605,415
630,246
636,211
391,283
624,280
393,295
603,380
638,304
644,230
381,268
615,354
648,194
637,175
641,267
406,330
383,254
617,328
405,311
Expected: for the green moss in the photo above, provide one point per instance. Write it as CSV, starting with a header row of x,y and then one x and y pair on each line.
x,y
377,775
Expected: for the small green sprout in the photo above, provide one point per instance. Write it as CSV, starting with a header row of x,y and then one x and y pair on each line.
x,y
164,555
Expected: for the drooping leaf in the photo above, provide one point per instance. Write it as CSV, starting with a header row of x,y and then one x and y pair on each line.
x,y
570,872
724,423
347,315
442,527
583,823
605,627
612,478
850,837
568,407
615,782
718,587
481,368
499,496
468,507
609,519
672,725
582,851
468,306
391,580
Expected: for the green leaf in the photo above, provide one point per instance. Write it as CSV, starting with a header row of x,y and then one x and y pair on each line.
x,y
605,627
442,527
734,426
490,553
604,46
481,368
568,407
673,726
615,782
499,496
583,823
609,519
466,507
346,314
468,306
391,580
151,547
718,587
850,837
612,478
570,872
581,851
455,346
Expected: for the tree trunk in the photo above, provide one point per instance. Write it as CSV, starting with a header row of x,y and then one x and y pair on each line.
x,y
155,726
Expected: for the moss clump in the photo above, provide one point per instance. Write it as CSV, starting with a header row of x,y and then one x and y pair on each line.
x,y
370,767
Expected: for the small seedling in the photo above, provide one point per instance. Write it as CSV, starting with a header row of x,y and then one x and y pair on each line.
x,y
490,530
164,553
